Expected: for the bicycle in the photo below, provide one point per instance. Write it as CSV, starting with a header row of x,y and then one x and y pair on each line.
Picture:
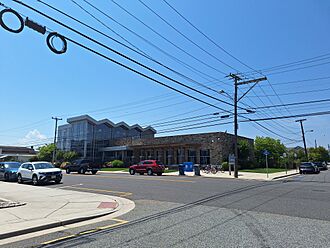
x,y
214,169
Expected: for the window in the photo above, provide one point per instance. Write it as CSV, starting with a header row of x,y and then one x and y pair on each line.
x,y
205,156
192,156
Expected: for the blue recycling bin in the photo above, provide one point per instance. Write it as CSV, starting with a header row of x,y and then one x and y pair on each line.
x,y
181,170
188,166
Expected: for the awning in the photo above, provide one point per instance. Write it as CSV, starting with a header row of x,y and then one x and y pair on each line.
x,y
115,148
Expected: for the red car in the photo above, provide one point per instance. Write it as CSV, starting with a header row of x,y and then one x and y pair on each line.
x,y
147,166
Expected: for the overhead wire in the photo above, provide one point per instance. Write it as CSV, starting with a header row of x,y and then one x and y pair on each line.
x,y
126,57
163,37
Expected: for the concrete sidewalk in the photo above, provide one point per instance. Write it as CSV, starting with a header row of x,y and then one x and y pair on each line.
x,y
241,175
51,207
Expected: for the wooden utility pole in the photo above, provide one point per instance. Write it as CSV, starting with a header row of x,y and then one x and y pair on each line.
x,y
303,136
54,152
236,84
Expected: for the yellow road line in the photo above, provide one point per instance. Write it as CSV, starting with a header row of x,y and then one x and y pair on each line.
x,y
120,193
59,239
144,178
120,222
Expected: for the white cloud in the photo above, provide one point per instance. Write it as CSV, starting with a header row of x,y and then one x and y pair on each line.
x,y
32,137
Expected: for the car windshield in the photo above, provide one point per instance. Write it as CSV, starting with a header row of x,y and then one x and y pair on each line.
x,y
78,161
12,165
43,166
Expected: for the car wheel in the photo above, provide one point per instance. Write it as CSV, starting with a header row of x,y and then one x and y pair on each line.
x,y
94,172
82,171
149,172
67,171
57,181
35,180
159,174
20,179
131,171
6,177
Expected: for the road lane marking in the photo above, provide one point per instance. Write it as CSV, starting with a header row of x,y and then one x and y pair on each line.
x,y
67,186
144,178
119,222
120,193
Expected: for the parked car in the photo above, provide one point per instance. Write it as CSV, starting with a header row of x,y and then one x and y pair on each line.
x,y
8,170
321,165
82,166
308,167
38,172
147,166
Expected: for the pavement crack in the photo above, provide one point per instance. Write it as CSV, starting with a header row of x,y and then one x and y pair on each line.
x,y
57,209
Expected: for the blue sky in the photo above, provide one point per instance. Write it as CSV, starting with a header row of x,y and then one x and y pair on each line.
x,y
36,84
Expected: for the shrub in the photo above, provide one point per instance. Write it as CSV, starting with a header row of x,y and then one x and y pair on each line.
x,y
64,165
225,166
117,163
34,159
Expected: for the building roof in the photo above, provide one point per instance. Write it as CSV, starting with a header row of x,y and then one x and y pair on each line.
x,y
109,123
16,150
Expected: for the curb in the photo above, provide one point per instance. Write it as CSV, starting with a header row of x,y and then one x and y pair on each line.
x,y
51,225
297,173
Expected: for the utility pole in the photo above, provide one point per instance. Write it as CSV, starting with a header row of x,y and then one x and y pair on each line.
x,y
236,84
315,144
54,152
303,136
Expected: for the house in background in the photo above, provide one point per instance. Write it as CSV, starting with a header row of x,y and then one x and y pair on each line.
x,y
17,153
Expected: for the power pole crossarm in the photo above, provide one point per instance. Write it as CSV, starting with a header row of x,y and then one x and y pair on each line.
x,y
255,81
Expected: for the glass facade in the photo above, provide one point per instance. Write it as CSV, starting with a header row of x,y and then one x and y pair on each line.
x,y
87,136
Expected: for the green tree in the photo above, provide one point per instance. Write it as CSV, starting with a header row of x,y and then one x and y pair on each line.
x,y
69,156
318,154
275,147
244,149
45,153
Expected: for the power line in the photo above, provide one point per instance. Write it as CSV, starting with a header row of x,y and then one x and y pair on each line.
x,y
185,36
187,66
136,50
163,37
300,68
297,92
126,57
207,37
295,103
289,116
295,63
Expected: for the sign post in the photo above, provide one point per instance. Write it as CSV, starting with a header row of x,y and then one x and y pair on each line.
x,y
231,162
286,166
266,153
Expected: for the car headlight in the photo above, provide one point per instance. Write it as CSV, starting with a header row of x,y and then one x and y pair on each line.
x,y
42,174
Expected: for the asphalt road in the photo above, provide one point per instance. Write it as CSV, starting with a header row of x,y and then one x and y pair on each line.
x,y
205,212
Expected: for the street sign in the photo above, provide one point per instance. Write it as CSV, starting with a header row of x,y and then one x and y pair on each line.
x,y
231,162
266,153
231,159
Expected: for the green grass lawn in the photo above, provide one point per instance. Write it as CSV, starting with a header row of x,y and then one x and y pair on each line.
x,y
168,171
114,169
126,170
263,170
